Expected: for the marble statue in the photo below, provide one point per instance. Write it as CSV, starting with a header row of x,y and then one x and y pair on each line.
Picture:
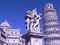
x,y
32,20
34,12
37,19
31,24
28,19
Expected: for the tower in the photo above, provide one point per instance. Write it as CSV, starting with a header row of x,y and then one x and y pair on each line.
x,y
33,35
51,30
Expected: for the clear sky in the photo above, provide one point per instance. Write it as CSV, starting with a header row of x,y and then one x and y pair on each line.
x,y
15,10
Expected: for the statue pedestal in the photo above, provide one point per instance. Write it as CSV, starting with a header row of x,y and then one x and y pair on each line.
x,y
33,38
34,35
36,30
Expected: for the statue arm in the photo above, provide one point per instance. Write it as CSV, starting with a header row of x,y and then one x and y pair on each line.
x,y
40,14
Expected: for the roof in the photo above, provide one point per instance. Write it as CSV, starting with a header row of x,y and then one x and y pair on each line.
x,y
5,23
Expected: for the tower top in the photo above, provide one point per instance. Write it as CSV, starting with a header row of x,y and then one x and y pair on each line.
x,y
48,6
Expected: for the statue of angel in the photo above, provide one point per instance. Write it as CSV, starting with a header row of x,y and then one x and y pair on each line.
x,y
27,20
37,19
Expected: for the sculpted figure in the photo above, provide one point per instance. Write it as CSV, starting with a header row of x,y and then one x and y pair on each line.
x,y
36,23
27,21
31,24
37,19
32,20
34,12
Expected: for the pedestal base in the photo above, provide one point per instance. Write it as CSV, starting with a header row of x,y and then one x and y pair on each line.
x,y
33,38
31,34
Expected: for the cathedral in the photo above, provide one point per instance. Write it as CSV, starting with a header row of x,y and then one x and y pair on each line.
x,y
33,35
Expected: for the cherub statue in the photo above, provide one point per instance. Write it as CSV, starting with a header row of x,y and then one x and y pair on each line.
x,y
32,20
34,12
27,21
37,19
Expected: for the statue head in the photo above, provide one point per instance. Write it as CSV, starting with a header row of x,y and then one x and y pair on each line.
x,y
28,12
34,12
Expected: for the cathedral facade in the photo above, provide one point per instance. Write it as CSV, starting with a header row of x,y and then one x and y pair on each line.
x,y
10,36
34,35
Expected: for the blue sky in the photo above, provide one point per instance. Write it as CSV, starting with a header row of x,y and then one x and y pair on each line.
x,y
15,10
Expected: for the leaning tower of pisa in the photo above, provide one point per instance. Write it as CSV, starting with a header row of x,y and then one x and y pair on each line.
x,y
51,29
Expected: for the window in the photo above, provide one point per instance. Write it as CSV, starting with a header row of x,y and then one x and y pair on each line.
x,y
12,33
50,7
8,40
7,34
14,40
15,33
